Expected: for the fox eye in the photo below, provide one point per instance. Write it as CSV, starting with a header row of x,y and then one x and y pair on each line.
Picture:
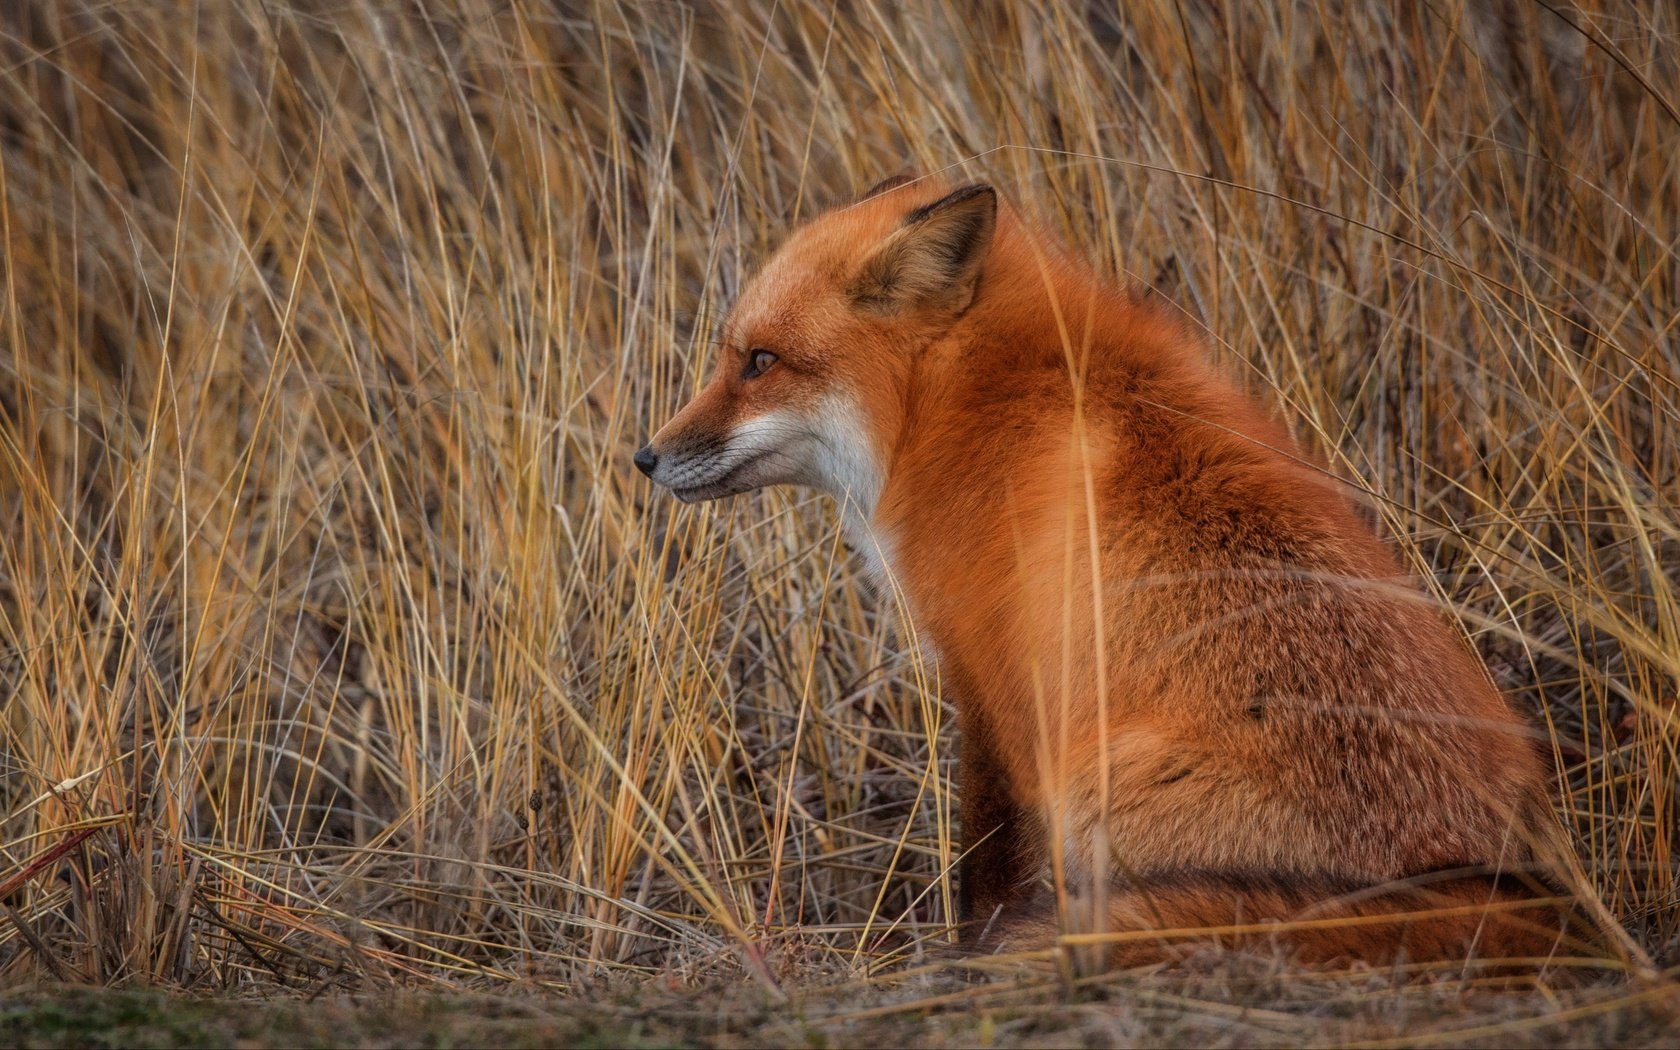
x,y
759,362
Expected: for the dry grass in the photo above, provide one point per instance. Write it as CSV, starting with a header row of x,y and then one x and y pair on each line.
x,y
339,641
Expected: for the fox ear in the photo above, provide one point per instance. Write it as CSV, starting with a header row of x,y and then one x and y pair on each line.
x,y
891,182
933,260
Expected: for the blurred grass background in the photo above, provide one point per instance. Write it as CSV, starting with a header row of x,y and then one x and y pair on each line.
x,y
338,640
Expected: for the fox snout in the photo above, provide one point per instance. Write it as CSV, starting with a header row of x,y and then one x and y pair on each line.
x,y
710,465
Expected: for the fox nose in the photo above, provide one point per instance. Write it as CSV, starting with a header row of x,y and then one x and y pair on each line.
x,y
646,460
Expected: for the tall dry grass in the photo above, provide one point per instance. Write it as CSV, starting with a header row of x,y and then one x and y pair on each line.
x,y
338,638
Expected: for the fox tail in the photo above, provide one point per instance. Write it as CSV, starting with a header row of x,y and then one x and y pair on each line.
x,y
1446,917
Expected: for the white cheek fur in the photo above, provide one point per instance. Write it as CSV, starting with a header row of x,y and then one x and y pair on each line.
x,y
771,432
843,460
845,465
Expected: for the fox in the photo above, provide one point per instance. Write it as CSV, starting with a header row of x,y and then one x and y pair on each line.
x,y
1197,697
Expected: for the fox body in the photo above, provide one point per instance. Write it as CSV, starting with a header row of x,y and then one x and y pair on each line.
x,y
1189,677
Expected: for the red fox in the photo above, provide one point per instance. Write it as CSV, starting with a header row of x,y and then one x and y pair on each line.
x,y
1190,681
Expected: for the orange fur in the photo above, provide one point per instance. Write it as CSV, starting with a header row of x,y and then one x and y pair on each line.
x,y
1182,662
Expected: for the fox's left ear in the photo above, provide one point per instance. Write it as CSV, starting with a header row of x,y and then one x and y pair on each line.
x,y
933,260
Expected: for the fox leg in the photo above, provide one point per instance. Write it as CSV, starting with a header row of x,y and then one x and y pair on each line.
x,y
998,861
1083,887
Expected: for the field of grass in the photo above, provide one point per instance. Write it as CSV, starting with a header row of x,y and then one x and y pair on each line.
x,y
343,650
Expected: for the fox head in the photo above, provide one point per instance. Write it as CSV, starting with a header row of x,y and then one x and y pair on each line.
x,y
816,354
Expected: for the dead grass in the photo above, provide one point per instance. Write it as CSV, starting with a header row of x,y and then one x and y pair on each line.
x,y
341,645
930,1012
